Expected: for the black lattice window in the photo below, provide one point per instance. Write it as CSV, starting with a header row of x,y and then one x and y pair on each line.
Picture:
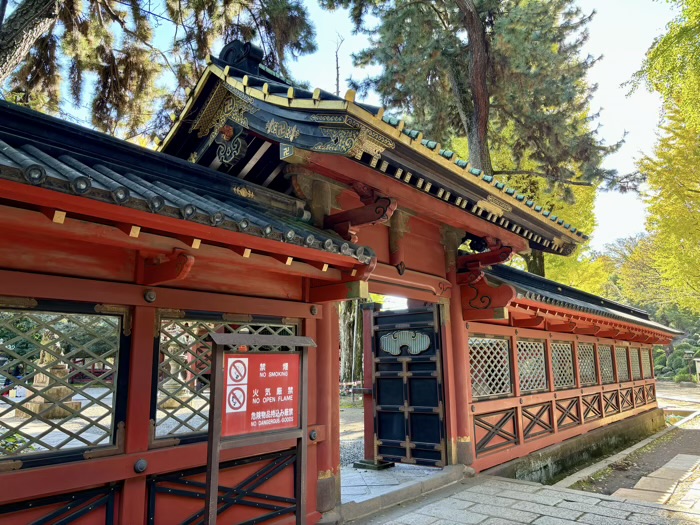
x,y
586,364
606,364
490,367
636,368
563,365
623,372
58,377
531,366
182,403
646,363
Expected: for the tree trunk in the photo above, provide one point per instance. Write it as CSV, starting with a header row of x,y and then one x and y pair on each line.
x,y
479,155
535,262
19,32
347,324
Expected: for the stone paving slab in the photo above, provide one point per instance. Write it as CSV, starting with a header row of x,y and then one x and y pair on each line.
x,y
657,484
487,500
669,473
643,495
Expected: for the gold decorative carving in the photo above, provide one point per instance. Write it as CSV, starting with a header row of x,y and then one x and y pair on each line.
x,y
498,202
222,105
193,158
115,309
17,302
353,142
244,192
282,130
342,140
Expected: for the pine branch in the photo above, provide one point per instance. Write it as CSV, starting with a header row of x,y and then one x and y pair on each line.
x,y
570,182
116,18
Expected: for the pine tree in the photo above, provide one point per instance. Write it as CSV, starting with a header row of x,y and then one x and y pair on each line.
x,y
473,68
117,48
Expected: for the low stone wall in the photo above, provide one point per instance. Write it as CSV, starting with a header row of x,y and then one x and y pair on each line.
x,y
548,464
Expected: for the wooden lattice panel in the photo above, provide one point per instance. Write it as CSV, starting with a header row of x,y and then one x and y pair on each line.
x,y
591,407
586,364
563,365
636,367
626,399
646,363
607,371
639,396
650,393
490,367
531,366
495,431
568,412
623,371
59,372
611,403
537,420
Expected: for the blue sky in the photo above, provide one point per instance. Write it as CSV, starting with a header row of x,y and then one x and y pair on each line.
x,y
621,31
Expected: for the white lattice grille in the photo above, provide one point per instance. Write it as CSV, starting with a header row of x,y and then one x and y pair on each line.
x,y
58,374
531,366
563,365
623,372
634,358
586,364
182,405
606,364
490,366
646,363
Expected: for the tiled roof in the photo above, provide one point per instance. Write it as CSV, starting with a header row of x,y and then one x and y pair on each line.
x,y
525,214
536,288
149,181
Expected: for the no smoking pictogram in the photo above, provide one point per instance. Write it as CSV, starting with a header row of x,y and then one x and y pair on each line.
x,y
236,399
238,370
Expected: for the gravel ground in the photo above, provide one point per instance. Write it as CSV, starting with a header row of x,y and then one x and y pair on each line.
x,y
351,451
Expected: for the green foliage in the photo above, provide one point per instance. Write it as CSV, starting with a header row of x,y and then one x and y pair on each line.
x,y
536,80
111,47
13,443
684,376
674,213
672,64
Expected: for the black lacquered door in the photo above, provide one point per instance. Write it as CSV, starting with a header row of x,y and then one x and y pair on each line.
x,y
407,390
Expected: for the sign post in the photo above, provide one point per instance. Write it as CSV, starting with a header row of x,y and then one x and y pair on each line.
x,y
255,398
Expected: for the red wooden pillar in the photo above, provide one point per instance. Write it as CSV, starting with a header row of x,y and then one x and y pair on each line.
x,y
137,428
328,408
462,379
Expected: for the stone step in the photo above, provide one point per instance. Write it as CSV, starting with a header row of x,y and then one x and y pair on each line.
x,y
648,496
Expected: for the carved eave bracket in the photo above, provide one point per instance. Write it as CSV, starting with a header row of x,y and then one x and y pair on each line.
x,y
174,267
377,209
481,300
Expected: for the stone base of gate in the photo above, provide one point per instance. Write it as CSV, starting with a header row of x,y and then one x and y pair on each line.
x,y
553,462
398,494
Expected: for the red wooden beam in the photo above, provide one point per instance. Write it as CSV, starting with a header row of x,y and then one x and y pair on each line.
x,y
167,226
527,322
24,284
587,330
83,235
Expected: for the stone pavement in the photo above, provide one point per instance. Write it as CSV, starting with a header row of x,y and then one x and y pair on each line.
x,y
488,500
664,483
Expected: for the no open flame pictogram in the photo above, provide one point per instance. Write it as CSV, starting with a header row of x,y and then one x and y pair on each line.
x,y
262,393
